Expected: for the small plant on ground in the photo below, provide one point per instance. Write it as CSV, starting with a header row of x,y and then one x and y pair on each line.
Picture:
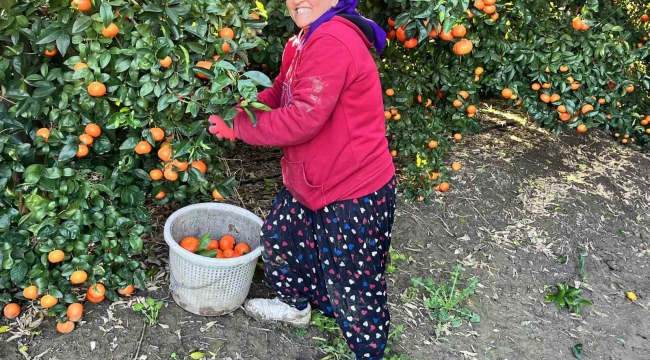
x,y
569,296
444,300
395,259
149,310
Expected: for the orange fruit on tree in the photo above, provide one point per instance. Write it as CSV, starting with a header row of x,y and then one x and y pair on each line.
x,y
225,47
624,141
391,22
575,85
86,139
564,68
565,116
546,86
55,256
143,147
157,133
469,13
165,153
545,98
180,165
213,245
587,108
535,86
48,301
602,101
156,174
478,71
582,128
463,47
161,195
489,2
205,65
645,122
397,117
577,24
170,174
390,34
432,144
93,299
111,31
78,277
458,137
82,151
393,153
51,53
626,136
127,290
561,108
93,130
444,186
199,165
75,312
630,88
489,9
11,310
434,176
434,32
81,5
44,133
31,292
471,109
446,36
387,115
166,62
242,249
411,43
458,31
227,242
457,103
189,243
227,33
464,94
555,97
644,18
65,327
96,89
479,4
456,166
80,65
390,92
97,290
506,93
216,195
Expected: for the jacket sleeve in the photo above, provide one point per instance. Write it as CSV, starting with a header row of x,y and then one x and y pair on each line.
x,y
315,91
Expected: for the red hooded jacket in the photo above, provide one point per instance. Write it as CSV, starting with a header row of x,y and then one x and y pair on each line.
x,y
328,117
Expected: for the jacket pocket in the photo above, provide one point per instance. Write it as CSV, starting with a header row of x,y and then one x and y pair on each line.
x,y
294,178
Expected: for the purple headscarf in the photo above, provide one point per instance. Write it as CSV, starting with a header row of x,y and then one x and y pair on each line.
x,y
348,7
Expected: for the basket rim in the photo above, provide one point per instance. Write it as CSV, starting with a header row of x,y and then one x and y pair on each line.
x,y
203,260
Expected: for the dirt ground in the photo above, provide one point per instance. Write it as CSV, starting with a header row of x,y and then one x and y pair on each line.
x,y
524,202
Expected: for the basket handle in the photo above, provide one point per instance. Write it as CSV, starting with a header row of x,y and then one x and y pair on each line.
x,y
174,283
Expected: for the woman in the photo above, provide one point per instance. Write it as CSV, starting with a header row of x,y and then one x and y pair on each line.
x,y
327,235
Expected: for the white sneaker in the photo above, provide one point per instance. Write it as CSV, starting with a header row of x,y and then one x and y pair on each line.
x,y
276,310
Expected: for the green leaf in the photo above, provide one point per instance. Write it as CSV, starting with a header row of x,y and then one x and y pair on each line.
x,y
204,241
226,66
68,152
577,351
17,94
62,43
102,145
136,243
82,23
106,13
43,92
258,78
197,355
142,174
53,173
18,271
129,143
48,36
33,173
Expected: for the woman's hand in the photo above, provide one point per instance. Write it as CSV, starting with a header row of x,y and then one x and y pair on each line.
x,y
220,128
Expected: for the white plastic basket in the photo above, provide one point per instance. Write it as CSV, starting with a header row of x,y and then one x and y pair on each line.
x,y
207,286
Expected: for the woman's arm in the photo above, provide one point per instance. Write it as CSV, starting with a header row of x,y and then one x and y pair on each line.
x,y
315,90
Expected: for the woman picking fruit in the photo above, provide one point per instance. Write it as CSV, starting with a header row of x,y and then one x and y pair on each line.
x,y
327,236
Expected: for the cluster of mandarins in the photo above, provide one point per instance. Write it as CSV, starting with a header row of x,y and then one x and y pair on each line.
x,y
96,293
225,248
